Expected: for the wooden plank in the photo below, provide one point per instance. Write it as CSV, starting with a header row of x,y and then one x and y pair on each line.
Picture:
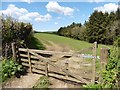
x,y
25,64
24,60
46,69
48,52
34,66
58,76
39,67
55,70
30,66
54,52
24,55
33,61
35,58
57,66
23,49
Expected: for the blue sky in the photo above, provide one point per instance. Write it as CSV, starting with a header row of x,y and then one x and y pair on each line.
x,y
51,15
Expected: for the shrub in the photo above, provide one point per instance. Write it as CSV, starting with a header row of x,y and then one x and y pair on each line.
x,y
43,82
93,86
10,68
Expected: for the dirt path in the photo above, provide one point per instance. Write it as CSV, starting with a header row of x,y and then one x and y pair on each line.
x,y
55,83
57,47
26,81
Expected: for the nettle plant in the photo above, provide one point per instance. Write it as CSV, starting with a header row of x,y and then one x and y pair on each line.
x,y
10,68
110,74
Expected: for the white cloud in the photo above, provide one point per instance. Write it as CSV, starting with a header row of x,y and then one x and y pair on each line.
x,y
107,7
12,10
56,23
96,1
28,1
53,6
47,17
23,14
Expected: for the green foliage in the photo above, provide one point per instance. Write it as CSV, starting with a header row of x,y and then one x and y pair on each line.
x,y
10,68
101,27
14,31
92,86
34,43
110,75
71,30
43,82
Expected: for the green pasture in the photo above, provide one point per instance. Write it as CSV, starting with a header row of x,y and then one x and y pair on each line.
x,y
75,45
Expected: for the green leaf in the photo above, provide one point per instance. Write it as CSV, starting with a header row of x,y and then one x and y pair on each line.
x,y
13,73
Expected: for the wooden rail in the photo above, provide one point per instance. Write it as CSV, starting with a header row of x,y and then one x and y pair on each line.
x,y
44,65
40,61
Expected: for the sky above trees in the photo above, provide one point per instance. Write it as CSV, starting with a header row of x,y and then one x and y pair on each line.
x,y
51,15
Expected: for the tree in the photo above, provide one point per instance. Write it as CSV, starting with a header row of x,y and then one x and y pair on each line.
x,y
98,27
14,31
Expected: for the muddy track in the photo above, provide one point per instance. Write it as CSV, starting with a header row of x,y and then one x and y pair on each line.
x,y
26,81
56,47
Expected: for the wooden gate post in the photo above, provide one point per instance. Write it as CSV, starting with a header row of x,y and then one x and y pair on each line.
x,y
46,69
104,53
94,61
14,51
30,66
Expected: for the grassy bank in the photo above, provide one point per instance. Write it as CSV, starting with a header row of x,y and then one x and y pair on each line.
x,y
75,45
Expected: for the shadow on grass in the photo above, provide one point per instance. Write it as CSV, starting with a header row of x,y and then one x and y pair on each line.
x,y
34,43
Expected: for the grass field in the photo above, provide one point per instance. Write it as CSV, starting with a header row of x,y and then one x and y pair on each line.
x,y
75,45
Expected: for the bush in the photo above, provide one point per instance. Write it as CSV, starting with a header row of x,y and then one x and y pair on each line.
x,y
10,68
93,86
14,31
42,83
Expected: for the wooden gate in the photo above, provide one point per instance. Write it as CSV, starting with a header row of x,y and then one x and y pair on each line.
x,y
42,62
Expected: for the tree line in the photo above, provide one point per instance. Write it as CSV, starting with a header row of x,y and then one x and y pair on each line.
x,y
101,27
14,31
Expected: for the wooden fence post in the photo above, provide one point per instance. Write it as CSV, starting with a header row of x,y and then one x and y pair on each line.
x,y
30,66
94,61
104,53
14,51
46,69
